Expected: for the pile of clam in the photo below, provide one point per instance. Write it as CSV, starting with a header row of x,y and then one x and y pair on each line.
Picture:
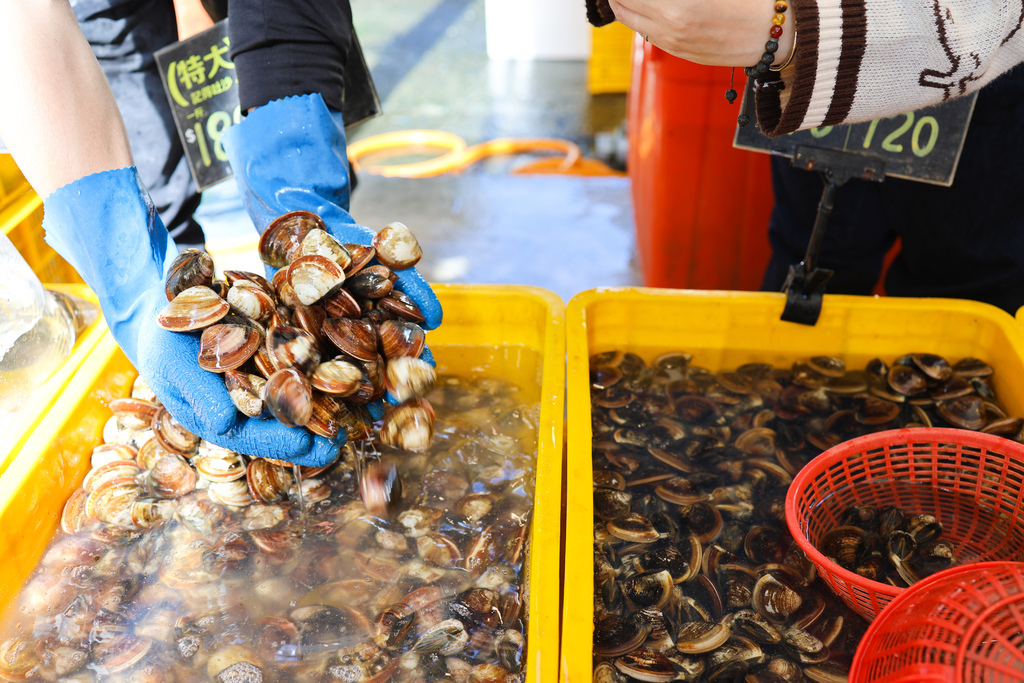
x,y
217,572
695,574
888,545
327,335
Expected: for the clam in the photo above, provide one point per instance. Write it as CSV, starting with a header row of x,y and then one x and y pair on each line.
x,y
171,477
1007,427
696,637
381,488
355,338
936,367
392,624
245,391
250,300
397,247
400,338
877,411
966,412
447,638
341,304
120,652
112,471
370,284
190,268
510,649
227,346
231,493
611,503
650,589
193,309
844,545
150,512
313,277
399,304
645,664
326,417
220,465
924,528
133,413
737,582
702,519
680,491
281,242
409,377
337,377
361,257
320,243
829,366
111,503
755,626
409,425
972,367
172,436
18,660
774,600
633,528
475,506
235,276
268,482
356,422
292,347
907,381
289,397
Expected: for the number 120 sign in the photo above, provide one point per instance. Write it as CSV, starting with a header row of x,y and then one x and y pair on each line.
x,y
921,145
203,92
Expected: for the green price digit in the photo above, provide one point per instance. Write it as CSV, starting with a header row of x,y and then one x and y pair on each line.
x,y
933,136
889,144
203,149
218,122
236,115
821,132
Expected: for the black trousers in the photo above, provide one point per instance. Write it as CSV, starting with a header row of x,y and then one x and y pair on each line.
x,y
965,241
123,35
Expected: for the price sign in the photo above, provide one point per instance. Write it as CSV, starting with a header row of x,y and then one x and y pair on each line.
x,y
203,92
921,145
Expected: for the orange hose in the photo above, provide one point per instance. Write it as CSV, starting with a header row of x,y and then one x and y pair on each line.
x,y
457,157
410,140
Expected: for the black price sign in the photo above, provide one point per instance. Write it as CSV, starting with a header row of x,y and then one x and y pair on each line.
x,y
921,145
201,86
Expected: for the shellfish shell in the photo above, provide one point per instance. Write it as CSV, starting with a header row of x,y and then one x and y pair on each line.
x,y
397,247
193,309
313,277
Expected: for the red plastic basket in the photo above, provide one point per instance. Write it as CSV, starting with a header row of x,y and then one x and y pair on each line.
x,y
973,483
962,624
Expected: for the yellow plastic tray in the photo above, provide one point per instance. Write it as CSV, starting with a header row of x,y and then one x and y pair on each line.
x,y
21,219
524,325
39,402
724,330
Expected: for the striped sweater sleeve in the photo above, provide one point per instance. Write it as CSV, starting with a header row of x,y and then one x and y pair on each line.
x,y
857,60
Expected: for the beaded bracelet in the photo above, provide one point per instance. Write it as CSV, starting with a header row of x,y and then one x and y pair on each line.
x,y
763,71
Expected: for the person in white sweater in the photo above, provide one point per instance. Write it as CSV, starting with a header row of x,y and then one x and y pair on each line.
x,y
847,61
852,60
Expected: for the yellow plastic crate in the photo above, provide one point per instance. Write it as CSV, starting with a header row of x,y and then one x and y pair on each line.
x,y
608,70
46,395
724,330
523,329
21,219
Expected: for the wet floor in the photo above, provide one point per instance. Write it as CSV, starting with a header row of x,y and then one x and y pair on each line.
x,y
429,60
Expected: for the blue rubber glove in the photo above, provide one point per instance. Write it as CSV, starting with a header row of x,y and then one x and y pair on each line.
x,y
289,155
105,225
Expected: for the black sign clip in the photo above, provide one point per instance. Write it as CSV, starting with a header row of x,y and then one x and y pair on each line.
x,y
805,283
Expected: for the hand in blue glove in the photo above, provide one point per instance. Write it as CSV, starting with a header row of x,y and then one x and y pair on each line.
x,y
290,155
105,225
